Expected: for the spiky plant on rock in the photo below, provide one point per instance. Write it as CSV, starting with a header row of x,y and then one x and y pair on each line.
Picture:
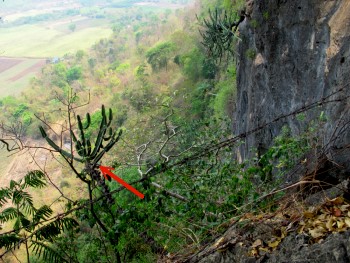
x,y
88,153
219,32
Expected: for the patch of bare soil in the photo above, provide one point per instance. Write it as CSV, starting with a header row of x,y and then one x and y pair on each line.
x,y
7,63
40,159
33,68
22,163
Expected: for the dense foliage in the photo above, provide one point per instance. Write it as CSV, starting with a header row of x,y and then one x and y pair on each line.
x,y
175,103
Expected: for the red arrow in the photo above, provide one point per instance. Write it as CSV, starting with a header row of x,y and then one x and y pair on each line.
x,y
107,170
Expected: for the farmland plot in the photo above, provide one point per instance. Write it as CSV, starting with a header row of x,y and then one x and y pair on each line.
x,y
51,39
15,74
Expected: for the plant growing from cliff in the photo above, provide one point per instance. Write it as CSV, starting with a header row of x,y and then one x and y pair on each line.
x,y
266,15
32,226
281,156
219,32
89,153
250,53
254,23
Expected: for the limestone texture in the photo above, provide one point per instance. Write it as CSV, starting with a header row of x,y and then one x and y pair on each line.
x,y
292,54
294,249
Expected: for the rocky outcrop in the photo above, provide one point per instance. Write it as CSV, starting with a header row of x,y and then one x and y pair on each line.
x,y
293,233
294,53
293,249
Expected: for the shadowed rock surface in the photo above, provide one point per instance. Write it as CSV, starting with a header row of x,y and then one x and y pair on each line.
x,y
293,53
294,249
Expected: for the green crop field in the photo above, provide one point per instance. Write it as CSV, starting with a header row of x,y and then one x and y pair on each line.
x,y
26,44
49,40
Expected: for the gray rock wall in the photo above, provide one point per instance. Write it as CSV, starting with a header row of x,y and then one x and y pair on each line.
x,y
292,53
294,249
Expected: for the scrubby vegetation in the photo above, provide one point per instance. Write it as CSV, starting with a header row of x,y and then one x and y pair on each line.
x,y
174,102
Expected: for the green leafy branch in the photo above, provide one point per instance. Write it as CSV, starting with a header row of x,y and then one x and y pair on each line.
x,y
26,218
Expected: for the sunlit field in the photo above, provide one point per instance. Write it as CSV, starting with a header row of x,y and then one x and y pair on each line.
x,y
50,40
15,74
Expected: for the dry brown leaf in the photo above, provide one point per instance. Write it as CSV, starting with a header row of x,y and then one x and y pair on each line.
x,y
347,221
248,215
317,223
340,224
329,224
322,216
258,217
337,201
323,227
257,243
308,214
274,244
316,233
265,249
254,252
283,232
344,208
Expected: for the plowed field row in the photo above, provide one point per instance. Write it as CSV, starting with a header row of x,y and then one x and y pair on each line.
x,y
15,74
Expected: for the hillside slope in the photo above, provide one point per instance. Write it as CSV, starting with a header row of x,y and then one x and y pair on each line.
x,y
293,54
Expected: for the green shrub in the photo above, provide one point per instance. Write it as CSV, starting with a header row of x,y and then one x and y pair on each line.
x,y
159,55
122,68
226,94
74,73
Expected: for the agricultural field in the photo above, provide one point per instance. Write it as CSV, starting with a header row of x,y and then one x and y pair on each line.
x,y
51,39
25,48
29,44
15,74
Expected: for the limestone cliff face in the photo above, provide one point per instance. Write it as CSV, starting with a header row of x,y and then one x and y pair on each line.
x,y
292,53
